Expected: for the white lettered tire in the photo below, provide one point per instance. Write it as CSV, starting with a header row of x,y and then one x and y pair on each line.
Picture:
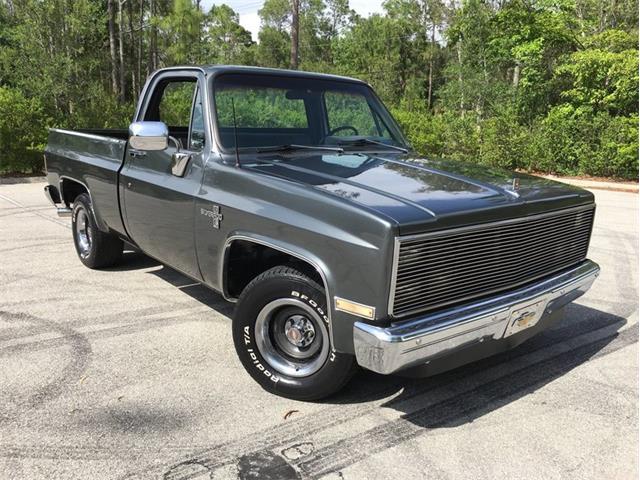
x,y
281,334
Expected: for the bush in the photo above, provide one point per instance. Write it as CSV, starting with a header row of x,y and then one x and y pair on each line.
x,y
99,109
505,143
440,135
23,126
580,142
425,132
568,141
22,133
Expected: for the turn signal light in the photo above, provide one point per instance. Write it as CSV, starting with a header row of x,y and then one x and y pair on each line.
x,y
358,309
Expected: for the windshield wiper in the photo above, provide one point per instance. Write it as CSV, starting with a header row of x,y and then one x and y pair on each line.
x,y
293,146
368,141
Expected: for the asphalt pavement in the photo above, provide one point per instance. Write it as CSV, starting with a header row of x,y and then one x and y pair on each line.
x,y
131,373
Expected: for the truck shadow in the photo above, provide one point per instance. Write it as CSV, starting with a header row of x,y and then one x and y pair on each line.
x,y
135,260
468,392
471,391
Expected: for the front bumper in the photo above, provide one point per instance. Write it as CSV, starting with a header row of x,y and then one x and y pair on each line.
x,y
418,341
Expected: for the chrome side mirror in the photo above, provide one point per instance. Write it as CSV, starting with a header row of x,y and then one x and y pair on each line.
x,y
148,136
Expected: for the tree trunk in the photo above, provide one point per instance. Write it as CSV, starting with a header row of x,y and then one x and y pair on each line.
x,y
460,78
132,49
516,75
112,47
295,32
199,52
140,52
153,40
123,89
431,47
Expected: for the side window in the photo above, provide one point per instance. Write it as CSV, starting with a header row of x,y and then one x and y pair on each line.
x,y
174,108
352,109
196,138
177,103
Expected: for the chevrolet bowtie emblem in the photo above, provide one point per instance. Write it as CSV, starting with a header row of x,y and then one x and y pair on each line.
x,y
525,319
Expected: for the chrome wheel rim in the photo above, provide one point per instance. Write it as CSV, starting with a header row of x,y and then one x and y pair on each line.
x,y
292,337
84,232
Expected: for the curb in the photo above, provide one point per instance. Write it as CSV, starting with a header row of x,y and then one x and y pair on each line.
x,y
595,185
16,180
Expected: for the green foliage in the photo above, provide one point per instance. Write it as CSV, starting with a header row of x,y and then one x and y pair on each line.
x,y
259,108
541,85
566,142
369,52
273,48
175,105
22,132
573,142
183,29
602,80
345,109
226,41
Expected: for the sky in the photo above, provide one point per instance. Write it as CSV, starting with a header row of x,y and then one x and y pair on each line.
x,y
248,10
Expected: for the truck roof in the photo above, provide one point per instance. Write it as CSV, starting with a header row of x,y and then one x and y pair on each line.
x,y
220,69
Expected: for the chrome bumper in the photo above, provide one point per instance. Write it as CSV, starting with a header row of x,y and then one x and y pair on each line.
x,y
418,341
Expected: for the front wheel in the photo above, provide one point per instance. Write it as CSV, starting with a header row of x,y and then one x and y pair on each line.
x,y
281,334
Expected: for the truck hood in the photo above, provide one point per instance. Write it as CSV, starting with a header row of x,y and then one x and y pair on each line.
x,y
422,194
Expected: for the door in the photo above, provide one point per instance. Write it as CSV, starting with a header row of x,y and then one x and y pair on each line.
x,y
158,204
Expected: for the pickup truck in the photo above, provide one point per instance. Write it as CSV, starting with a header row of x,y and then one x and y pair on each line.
x,y
296,195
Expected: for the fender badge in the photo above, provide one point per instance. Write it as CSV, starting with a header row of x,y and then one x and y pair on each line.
x,y
214,214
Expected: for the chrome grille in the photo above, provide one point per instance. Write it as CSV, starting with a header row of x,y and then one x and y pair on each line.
x,y
450,266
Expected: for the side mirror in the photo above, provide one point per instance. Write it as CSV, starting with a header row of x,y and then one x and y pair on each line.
x,y
149,136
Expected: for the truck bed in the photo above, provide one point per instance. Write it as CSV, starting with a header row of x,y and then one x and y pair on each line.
x,y
93,158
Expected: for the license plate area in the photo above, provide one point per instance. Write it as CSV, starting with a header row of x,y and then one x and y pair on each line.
x,y
525,317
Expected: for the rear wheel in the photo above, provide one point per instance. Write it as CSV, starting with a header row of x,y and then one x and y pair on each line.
x,y
281,334
95,248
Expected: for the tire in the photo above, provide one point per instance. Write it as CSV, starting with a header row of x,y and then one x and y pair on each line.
x,y
95,248
281,335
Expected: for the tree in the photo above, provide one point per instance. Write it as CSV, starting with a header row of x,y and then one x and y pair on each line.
x,y
225,39
22,131
274,39
372,50
421,25
601,80
181,32
536,84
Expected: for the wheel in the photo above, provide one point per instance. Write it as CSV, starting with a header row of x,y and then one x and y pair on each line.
x,y
96,249
281,334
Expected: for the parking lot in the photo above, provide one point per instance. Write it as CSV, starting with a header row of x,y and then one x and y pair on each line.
x,y
131,373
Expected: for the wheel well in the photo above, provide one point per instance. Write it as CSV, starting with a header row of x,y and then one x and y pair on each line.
x,y
71,189
246,260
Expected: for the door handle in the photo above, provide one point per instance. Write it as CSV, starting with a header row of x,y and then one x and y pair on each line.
x,y
137,153
179,163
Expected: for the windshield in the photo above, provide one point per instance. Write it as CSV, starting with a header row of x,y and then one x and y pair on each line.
x,y
284,111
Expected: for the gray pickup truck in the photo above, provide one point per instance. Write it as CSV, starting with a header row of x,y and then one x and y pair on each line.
x,y
296,196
